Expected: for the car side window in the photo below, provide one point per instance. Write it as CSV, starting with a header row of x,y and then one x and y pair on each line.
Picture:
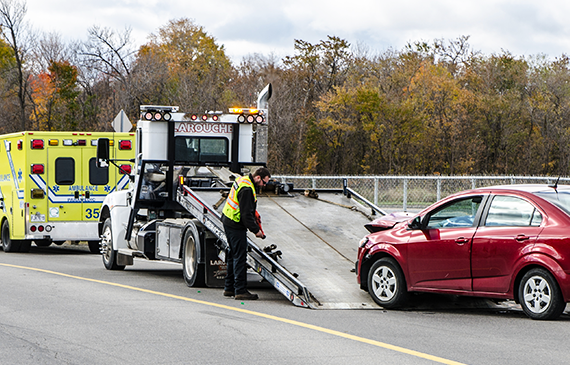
x,y
512,211
459,213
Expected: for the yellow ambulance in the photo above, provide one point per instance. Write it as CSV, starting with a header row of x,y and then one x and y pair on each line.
x,y
51,189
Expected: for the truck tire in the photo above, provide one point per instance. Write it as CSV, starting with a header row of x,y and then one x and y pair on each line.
x,y
94,246
107,252
8,245
194,272
386,284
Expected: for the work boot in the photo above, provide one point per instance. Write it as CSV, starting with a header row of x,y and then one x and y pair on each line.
x,y
229,293
247,296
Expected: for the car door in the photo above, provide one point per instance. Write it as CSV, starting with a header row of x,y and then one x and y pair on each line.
x,y
509,228
439,254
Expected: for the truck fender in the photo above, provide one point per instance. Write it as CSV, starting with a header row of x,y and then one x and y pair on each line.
x,y
190,227
119,216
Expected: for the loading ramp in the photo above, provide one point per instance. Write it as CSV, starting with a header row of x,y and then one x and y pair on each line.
x,y
318,239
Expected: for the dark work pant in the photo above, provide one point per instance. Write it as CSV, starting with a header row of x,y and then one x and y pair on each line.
x,y
236,259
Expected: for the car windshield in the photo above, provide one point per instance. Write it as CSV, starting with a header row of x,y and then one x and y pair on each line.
x,y
560,199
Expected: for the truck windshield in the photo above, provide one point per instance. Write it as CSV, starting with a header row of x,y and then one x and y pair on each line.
x,y
197,150
561,199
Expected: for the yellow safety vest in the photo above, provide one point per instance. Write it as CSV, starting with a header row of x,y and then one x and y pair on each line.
x,y
231,209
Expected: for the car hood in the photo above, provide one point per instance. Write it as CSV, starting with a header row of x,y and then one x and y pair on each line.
x,y
388,221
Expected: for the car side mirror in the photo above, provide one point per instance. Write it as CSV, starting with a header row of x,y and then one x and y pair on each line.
x,y
416,223
102,153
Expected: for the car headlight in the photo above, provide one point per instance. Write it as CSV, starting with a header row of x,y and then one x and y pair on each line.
x,y
363,242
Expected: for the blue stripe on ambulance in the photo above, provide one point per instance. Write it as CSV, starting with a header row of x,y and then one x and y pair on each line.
x,y
70,198
20,193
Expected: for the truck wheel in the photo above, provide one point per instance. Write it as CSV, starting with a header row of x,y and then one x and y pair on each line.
x,y
194,272
8,245
94,247
109,255
386,284
540,295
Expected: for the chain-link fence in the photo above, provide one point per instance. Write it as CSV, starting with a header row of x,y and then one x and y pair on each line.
x,y
410,192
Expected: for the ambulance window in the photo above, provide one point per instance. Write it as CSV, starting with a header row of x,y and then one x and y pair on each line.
x,y
98,175
64,171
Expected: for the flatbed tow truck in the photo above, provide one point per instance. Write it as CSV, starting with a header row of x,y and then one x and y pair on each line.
x,y
185,164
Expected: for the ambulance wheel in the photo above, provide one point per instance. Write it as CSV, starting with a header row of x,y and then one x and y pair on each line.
x,y
194,272
42,243
94,246
109,255
8,245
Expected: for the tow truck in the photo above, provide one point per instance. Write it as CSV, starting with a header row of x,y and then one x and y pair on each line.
x,y
184,166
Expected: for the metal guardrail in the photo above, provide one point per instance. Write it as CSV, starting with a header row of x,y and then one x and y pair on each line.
x,y
409,192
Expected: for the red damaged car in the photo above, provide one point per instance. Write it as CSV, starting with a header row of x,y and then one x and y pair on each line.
x,y
504,242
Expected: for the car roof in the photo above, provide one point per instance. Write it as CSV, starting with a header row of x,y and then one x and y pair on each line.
x,y
529,188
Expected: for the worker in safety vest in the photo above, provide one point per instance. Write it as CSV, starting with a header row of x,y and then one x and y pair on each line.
x,y
238,217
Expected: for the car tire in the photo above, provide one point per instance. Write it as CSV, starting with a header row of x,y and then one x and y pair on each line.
x,y
107,252
540,296
386,284
194,272
8,245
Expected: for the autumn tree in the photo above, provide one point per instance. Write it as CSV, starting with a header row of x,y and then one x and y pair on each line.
x,y
55,98
193,70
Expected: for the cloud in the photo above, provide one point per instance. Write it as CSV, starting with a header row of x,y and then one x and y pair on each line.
x,y
522,27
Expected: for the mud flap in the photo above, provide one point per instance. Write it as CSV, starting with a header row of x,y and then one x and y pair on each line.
x,y
216,268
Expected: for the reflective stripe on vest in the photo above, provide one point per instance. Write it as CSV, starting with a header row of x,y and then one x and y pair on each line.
x,y
231,209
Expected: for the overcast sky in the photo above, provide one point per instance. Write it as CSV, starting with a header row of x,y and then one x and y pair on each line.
x,y
522,27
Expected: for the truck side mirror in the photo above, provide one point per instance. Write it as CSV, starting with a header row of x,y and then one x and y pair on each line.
x,y
102,152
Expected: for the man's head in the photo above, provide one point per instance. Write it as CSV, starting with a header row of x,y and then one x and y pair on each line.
x,y
261,176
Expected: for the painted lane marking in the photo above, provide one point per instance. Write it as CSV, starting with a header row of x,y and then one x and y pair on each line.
x,y
257,314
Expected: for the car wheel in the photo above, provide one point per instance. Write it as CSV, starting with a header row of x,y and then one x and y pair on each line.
x,y
107,252
540,295
194,273
8,245
386,284
94,247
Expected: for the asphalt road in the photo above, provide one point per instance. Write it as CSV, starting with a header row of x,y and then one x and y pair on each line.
x,y
58,305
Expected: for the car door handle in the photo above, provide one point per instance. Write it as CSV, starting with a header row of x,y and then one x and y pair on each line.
x,y
522,237
461,240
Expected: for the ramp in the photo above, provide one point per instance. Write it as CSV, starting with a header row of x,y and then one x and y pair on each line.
x,y
318,239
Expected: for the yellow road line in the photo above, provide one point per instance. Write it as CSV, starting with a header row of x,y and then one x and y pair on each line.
x,y
258,314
